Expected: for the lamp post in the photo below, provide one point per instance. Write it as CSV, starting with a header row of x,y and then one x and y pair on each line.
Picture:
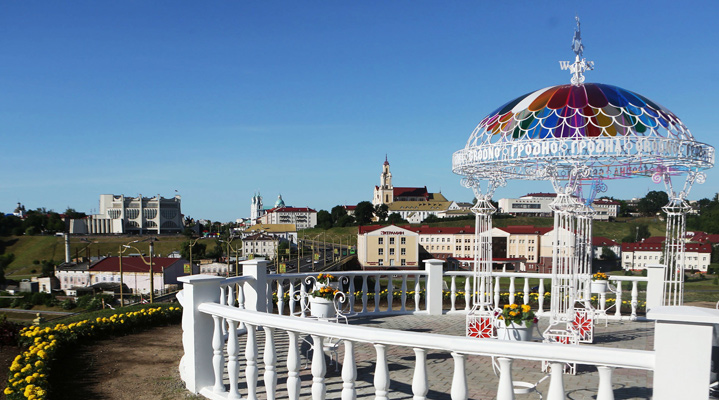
x,y
191,246
152,240
229,247
122,282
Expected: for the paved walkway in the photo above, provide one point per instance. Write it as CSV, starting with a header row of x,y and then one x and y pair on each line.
x,y
482,382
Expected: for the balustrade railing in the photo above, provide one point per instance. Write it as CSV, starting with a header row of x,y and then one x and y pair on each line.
x,y
215,309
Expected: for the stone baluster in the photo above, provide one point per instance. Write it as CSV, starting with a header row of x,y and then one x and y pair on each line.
x,y
303,298
511,290
349,372
540,297
240,297
292,300
280,297
526,290
505,389
420,384
270,360
605,392
496,292
618,302
376,293
453,293
417,289
603,303
231,296
459,389
223,301
293,367
381,373
251,372
318,368
352,293
404,293
217,356
365,298
635,299
390,292
467,293
556,382
233,362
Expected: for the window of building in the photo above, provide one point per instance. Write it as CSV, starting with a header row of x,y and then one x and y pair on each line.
x,y
458,248
380,262
403,262
380,241
391,251
402,251
391,261
466,248
380,251
403,241
391,240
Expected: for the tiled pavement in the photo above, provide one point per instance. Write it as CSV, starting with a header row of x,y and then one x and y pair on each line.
x,y
482,381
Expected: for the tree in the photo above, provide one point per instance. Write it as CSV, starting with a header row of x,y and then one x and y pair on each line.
x,y
337,213
652,203
215,253
364,212
324,219
346,220
198,250
637,233
608,254
395,219
431,218
381,211
73,214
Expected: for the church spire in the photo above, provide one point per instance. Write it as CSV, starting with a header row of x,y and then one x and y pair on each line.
x,y
385,159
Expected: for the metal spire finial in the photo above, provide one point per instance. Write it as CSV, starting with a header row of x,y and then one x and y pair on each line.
x,y
580,64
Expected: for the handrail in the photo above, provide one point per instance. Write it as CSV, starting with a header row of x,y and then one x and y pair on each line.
x,y
624,358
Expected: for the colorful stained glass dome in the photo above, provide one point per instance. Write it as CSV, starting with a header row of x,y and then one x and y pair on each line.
x,y
576,111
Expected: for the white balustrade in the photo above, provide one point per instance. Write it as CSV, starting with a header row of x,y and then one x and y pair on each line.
x,y
236,302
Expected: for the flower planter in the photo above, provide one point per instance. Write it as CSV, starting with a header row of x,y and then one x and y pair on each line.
x,y
322,308
599,286
515,332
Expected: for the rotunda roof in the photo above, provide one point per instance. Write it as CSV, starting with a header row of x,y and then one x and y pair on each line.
x,y
577,111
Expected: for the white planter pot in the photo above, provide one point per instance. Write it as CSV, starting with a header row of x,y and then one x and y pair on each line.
x,y
520,333
599,286
322,308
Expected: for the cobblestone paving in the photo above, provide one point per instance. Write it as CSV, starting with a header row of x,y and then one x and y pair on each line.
x,y
482,381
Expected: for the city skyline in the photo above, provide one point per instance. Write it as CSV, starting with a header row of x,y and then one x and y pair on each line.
x,y
216,103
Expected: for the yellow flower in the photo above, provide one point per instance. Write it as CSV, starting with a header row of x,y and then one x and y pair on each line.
x,y
39,363
513,306
8,391
525,308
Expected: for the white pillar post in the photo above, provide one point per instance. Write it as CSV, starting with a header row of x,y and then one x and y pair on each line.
x,y
655,285
434,286
256,289
197,329
683,346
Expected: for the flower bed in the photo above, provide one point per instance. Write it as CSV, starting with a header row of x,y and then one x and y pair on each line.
x,y
28,377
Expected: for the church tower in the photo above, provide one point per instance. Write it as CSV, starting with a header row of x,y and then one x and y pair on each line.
x,y
384,193
256,208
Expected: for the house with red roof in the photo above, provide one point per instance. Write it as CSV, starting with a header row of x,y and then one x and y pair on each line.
x,y
136,273
637,256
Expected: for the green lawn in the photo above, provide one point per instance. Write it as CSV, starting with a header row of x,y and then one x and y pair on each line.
x,y
28,249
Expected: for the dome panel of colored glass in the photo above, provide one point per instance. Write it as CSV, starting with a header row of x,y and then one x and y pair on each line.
x,y
576,111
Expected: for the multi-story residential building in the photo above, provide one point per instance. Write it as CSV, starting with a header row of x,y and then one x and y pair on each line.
x,y
387,247
260,244
636,256
119,214
301,217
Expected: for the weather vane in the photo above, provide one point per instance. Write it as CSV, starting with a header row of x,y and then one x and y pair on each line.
x,y
580,64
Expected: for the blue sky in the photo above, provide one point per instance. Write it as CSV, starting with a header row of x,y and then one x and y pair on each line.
x,y
218,100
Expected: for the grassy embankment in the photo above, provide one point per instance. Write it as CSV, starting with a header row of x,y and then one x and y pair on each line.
x,y
28,249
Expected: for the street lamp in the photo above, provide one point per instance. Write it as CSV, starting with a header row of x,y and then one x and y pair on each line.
x,y
152,241
122,282
237,264
191,246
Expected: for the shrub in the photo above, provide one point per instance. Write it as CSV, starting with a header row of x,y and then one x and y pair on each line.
x,y
8,331
68,304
